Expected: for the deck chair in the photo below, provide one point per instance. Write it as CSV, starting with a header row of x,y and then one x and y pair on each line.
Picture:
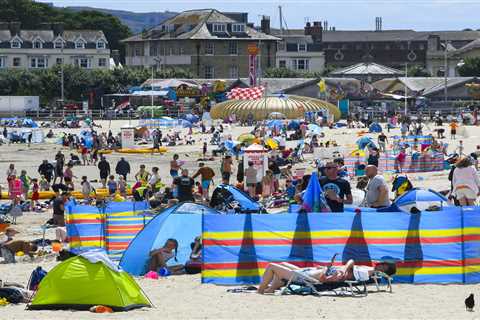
x,y
354,288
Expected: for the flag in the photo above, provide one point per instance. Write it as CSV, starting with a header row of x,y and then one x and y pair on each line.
x,y
313,198
322,86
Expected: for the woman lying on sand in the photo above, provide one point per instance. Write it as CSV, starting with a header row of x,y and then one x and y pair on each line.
x,y
277,274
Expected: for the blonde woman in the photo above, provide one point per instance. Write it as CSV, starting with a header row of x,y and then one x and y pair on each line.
x,y
465,182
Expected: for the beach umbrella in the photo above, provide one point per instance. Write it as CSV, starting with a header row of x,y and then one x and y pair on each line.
x,y
230,144
246,138
364,142
274,124
314,128
293,125
421,199
191,118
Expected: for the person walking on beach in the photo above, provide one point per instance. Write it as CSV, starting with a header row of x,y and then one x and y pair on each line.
x,y
465,182
184,185
382,142
175,165
60,162
377,189
68,176
251,179
104,168
453,129
226,166
206,173
122,168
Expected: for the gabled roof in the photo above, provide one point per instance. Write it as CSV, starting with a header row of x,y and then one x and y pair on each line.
x,y
469,47
49,36
367,68
31,35
192,24
427,86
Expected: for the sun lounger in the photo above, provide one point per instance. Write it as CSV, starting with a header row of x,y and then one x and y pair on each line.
x,y
354,288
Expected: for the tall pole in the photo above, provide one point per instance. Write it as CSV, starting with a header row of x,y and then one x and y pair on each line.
x,y
151,88
406,90
281,19
445,74
62,77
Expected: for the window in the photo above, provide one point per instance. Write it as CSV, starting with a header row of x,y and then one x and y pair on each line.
x,y
37,44
300,64
209,72
210,48
80,44
3,62
38,62
421,46
16,44
387,47
281,45
59,61
219,27
83,63
238,27
344,46
171,51
153,51
401,46
233,72
282,64
302,47
58,44
137,51
102,62
232,47
101,44
181,51
17,62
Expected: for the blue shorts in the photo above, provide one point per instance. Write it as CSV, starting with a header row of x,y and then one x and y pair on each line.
x,y
206,184
174,173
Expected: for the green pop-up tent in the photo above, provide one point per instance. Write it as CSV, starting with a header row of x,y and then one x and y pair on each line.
x,y
85,281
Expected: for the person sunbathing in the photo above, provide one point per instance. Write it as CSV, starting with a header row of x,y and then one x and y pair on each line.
x,y
277,274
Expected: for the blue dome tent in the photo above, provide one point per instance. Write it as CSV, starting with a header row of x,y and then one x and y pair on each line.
x,y
293,125
364,142
182,222
375,127
421,199
226,197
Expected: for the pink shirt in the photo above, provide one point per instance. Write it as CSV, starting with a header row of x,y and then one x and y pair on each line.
x,y
466,177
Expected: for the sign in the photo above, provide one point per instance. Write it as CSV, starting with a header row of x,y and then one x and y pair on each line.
x,y
258,155
185,91
128,137
252,49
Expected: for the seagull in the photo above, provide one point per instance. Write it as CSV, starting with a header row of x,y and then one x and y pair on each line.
x,y
470,302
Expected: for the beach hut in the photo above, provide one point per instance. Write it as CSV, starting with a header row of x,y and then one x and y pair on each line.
x,y
88,280
182,222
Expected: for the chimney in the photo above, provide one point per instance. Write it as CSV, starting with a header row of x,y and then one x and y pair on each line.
x,y
15,27
58,28
315,30
378,23
265,24
433,42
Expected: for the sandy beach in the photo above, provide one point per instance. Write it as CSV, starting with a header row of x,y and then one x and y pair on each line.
x,y
184,297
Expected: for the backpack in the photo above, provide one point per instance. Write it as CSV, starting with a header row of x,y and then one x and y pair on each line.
x,y
13,295
35,278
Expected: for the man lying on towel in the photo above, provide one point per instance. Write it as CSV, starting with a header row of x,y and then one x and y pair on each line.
x,y
277,274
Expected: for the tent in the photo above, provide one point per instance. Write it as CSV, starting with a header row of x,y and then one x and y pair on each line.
x,y
277,124
224,195
85,281
182,222
364,142
375,127
293,125
421,199
191,118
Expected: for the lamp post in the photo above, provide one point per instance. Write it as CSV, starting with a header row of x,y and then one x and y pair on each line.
x,y
405,111
62,76
445,73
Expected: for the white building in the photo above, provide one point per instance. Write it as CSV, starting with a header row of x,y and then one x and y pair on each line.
x,y
40,49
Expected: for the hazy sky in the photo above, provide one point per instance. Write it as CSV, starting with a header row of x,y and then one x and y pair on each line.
x,y
344,14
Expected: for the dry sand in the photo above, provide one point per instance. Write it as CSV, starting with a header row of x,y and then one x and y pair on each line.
x,y
184,297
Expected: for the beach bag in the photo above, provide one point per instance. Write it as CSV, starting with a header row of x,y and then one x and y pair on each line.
x,y
35,278
13,295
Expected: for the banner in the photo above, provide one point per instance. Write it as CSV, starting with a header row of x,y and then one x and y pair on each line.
x,y
431,247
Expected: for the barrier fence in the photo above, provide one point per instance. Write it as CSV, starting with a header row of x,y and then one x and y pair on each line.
x,y
431,247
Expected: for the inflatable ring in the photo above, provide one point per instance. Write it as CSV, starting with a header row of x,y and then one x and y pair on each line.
x,y
143,150
45,195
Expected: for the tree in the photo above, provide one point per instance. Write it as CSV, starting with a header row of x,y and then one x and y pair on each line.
x,y
417,71
470,68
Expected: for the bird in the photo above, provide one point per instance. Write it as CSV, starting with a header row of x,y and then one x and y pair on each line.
x,y
470,302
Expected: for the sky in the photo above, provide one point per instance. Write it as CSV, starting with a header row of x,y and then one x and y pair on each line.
x,y
343,14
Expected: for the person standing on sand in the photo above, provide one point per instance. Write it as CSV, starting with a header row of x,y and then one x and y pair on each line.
x,y
175,165
453,129
104,168
207,175
46,169
60,162
122,168
251,179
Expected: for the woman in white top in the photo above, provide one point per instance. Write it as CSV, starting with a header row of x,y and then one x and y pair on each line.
x,y
465,181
